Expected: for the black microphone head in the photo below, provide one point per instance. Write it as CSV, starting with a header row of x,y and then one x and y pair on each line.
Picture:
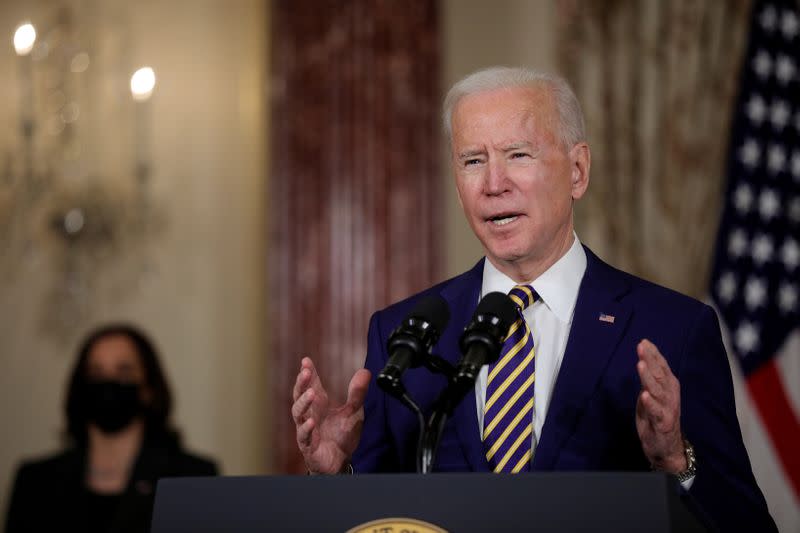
x,y
432,309
484,335
410,343
499,305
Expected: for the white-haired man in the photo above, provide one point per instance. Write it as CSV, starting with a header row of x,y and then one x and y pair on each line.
x,y
628,375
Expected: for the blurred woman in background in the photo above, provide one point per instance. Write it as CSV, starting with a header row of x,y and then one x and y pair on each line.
x,y
117,408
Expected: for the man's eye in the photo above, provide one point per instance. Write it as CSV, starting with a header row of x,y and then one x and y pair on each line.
x,y
517,155
473,161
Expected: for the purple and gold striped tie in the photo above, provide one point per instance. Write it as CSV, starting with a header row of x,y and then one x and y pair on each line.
x,y
507,414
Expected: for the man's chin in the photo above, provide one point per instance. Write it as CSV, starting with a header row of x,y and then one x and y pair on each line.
x,y
503,257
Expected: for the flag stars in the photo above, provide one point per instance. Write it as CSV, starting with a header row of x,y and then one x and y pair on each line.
x,y
794,210
776,158
758,278
750,153
726,287
768,19
784,69
755,293
779,114
762,249
789,25
737,243
762,64
790,254
756,109
768,204
746,338
743,198
787,297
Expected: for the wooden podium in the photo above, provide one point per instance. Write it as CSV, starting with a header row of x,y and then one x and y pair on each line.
x,y
394,503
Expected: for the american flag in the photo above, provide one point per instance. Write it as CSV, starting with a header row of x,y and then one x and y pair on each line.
x,y
757,264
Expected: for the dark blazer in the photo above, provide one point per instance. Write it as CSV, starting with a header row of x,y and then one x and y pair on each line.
x,y
49,494
590,423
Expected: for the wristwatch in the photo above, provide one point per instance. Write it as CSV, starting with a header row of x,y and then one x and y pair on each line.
x,y
691,462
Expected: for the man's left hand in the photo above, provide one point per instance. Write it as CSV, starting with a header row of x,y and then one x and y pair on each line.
x,y
658,411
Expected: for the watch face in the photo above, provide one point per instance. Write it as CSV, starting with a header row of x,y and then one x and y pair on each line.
x,y
690,456
691,462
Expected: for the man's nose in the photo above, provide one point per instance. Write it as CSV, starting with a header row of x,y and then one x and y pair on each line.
x,y
496,181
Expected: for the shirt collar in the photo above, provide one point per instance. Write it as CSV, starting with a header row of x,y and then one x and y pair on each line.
x,y
557,286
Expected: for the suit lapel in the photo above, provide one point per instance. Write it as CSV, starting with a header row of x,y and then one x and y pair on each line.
x,y
598,324
463,300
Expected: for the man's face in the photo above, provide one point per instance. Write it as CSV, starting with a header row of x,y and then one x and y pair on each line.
x,y
516,180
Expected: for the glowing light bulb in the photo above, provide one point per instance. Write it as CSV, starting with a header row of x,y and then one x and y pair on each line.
x,y
24,39
142,83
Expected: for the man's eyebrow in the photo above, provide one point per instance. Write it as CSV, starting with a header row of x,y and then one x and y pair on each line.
x,y
471,153
517,146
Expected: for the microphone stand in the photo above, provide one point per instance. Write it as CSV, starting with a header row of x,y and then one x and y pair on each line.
x,y
412,405
431,433
443,409
428,439
486,331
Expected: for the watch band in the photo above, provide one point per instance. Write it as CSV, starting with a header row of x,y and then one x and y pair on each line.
x,y
691,462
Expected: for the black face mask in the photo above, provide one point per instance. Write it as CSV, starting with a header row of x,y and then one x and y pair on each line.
x,y
111,405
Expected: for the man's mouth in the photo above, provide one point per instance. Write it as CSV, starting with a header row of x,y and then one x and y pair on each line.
x,y
502,220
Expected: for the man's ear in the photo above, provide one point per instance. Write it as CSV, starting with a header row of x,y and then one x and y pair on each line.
x,y
580,160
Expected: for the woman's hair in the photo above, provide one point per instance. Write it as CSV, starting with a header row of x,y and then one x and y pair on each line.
x,y
159,407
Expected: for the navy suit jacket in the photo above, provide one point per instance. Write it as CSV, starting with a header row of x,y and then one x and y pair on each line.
x,y
590,423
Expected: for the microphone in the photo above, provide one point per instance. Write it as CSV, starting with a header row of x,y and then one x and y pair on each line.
x,y
483,338
412,340
481,343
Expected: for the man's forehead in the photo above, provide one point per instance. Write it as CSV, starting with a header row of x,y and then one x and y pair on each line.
x,y
517,106
536,96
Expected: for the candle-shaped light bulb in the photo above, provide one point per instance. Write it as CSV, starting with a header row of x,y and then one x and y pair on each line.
x,y
24,38
142,83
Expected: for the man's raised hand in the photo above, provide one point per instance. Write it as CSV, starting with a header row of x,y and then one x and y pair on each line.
x,y
658,411
326,435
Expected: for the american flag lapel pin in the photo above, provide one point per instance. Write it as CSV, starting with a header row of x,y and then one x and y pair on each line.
x,y
606,318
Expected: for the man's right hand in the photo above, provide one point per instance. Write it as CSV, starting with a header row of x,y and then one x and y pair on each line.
x,y
327,436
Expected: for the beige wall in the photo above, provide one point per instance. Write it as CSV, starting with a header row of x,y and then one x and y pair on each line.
x,y
203,301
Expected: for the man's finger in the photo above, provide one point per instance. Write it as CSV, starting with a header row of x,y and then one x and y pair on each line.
x,y
663,418
652,410
307,377
650,354
357,390
301,406
301,383
305,433
649,381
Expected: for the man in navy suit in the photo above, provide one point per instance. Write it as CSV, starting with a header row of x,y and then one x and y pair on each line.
x,y
628,375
